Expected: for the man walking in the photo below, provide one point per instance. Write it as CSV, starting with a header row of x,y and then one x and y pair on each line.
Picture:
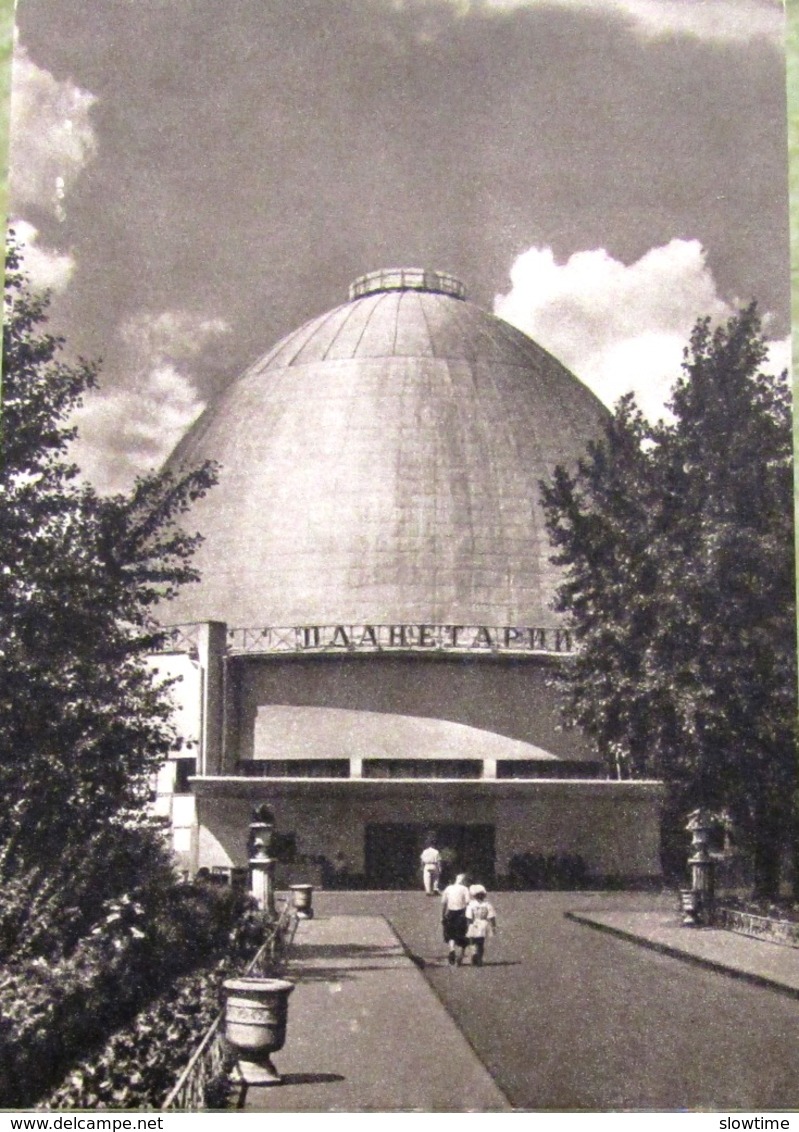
x,y
454,924
431,868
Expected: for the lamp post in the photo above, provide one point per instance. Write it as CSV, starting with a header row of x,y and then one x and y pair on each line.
x,y
702,868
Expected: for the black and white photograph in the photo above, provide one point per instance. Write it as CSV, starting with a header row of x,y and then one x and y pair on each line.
x,y
398,658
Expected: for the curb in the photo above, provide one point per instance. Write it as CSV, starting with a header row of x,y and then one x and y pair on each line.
x,y
687,957
419,966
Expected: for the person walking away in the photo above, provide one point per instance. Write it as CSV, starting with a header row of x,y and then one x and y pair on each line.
x,y
431,869
454,901
481,922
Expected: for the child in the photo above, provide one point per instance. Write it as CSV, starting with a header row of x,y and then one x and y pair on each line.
x,y
482,922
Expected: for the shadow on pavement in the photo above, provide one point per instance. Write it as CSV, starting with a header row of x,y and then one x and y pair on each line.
x,y
425,964
344,951
337,974
292,1079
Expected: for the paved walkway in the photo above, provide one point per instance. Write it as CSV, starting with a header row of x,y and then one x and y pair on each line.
x,y
366,1033
756,961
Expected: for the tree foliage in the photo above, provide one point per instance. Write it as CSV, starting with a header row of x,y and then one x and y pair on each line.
x,y
678,547
83,720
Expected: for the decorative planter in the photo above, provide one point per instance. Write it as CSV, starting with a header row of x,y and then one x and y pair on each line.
x,y
302,895
690,903
256,1013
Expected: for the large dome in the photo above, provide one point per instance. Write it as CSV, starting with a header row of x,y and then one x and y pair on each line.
x,y
381,465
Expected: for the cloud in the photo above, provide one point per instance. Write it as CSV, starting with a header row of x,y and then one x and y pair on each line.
x,y
719,20
47,268
51,135
171,334
132,428
779,356
618,327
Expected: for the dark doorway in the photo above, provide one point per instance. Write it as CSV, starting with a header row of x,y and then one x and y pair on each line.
x,y
392,850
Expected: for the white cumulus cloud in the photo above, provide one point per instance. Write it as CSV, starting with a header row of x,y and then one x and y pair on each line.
x,y
47,268
779,355
711,20
170,334
134,426
51,135
618,327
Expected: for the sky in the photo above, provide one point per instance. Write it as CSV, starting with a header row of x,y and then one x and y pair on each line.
x,y
194,179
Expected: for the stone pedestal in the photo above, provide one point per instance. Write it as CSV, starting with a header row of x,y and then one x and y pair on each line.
x,y
262,864
262,883
702,866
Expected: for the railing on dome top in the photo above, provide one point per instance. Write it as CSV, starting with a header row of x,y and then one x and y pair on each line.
x,y
211,1059
517,640
407,279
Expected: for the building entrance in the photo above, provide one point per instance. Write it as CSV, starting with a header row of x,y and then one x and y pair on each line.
x,y
392,850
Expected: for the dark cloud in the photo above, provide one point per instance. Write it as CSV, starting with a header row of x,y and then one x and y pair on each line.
x,y
253,157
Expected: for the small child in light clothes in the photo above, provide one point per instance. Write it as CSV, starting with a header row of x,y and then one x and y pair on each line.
x,y
482,921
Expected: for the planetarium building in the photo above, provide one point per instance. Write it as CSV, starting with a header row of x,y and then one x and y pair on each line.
x,y
372,649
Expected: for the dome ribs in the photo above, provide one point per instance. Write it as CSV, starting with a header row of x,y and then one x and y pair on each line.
x,y
426,322
380,466
457,445
499,442
412,336
444,326
514,495
510,493
315,348
287,349
481,344
347,340
380,330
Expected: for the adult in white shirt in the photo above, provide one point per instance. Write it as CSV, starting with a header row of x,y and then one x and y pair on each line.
x,y
454,900
431,869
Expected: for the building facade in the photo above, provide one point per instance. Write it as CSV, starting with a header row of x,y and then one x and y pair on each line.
x,y
373,648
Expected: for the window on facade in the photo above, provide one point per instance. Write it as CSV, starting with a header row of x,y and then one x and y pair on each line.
x,y
184,770
538,768
422,768
295,768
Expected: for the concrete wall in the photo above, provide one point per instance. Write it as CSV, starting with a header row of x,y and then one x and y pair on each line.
x,y
510,696
614,826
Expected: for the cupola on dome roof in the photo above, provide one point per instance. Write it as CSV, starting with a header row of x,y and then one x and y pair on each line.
x,y
381,464
407,279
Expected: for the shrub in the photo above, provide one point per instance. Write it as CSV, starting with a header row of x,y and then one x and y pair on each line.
x,y
141,1063
53,1013
47,913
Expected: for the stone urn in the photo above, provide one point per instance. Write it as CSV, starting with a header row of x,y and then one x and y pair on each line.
x,y
302,895
256,1013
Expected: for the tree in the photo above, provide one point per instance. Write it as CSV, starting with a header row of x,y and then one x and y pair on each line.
x,y
677,543
83,721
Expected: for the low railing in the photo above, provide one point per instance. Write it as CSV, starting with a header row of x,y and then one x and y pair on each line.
x,y
211,1060
768,928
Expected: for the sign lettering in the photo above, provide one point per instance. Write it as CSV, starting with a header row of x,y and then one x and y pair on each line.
x,y
515,639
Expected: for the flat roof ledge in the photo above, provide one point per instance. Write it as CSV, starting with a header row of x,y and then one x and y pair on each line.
x,y
236,786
